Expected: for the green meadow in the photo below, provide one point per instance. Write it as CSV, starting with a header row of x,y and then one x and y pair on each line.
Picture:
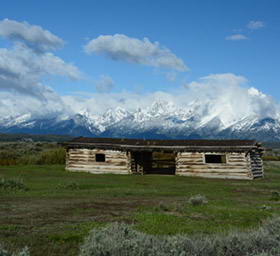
x,y
51,210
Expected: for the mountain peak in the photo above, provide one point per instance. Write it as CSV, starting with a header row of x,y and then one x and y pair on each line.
x,y
162,119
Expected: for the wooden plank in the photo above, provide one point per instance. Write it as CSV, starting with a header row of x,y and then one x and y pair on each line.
x,y
257,173
98,167
235,156
206,166
93,163
190,157
256,166
258,176
229,165
203,175
99,163
96,171
91,152
237,160
189,153
214,171
81,156
99,170
239,164
258,163
218,173
189,163
200,160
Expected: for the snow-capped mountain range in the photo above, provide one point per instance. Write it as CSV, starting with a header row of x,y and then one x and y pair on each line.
x,y
160,120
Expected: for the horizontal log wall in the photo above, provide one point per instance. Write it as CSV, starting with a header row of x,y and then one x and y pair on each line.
x,y
237,166
256,164
84,160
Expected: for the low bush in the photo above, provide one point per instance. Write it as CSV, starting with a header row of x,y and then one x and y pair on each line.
x,y
52,156
198,200
275,196
271,158
12,185
161,207
31,154
23,252
70,186
122,240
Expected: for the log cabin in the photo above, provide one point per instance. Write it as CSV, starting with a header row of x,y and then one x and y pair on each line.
x,y
227,159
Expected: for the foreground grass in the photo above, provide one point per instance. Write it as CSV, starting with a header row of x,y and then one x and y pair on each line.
x,y
60,208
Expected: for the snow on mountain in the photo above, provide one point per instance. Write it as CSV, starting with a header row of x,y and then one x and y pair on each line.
x,y
162,119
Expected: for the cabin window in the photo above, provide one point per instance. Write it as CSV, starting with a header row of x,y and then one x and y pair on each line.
x,y
100,157
215,159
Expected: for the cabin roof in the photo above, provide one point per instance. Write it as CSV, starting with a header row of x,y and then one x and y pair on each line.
x,y
142,144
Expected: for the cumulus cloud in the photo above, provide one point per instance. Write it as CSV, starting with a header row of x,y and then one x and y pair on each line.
x,y
236,37
33,36
231,98
254,25
104,84
22,70
120,47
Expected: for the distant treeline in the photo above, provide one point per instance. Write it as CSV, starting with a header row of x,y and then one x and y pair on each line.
x,y
271,145
6,137
23,153
9,137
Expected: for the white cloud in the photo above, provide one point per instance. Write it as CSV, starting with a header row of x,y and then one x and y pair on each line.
x,y
254,25
123,48
104,84
14,104
236,37
231,98
21,70
171,76
227,96
33,36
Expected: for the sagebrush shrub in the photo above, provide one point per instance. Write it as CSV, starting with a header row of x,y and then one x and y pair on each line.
x,y
69,185
12,185
53,156
161,207
23,252
198,200
275,195
31,153
122,240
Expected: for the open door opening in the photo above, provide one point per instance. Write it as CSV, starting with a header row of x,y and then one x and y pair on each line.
x,y
153,163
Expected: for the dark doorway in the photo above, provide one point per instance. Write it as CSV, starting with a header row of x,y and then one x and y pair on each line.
x,y
154,162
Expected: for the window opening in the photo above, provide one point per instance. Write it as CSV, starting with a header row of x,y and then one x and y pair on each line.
x,y
100,157
215,159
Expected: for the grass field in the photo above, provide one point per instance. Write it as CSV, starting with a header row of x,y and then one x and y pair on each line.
x,y
59,208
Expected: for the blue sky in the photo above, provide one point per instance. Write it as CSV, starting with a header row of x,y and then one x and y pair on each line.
x,y
194,31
